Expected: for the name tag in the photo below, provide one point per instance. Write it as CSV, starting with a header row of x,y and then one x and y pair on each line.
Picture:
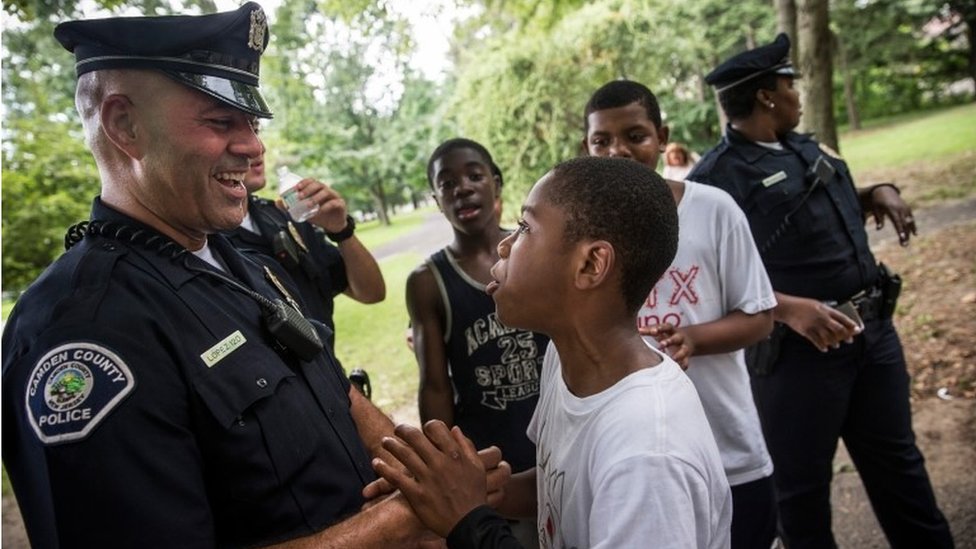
x,y
774,179
223,348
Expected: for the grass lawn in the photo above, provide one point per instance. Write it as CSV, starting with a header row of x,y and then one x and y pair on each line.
x,y
373,337
911,139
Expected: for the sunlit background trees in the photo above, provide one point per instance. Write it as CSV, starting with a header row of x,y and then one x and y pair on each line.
x,y
354,106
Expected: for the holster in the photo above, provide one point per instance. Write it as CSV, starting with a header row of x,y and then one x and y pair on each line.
x,y
890,283
761,356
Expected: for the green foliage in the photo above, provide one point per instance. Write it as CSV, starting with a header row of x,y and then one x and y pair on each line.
x,y
49,178
522,93
902,55
336,117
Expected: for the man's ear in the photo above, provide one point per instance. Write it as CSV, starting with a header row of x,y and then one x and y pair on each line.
x,y
596,260
118,118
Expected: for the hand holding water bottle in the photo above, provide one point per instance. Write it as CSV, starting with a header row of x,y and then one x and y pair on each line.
x,y
298,208
307,199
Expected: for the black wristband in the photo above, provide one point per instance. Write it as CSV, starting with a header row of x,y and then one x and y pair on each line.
x,y
344,234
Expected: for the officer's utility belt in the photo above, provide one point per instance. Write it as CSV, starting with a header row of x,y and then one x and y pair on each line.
x,y
872,303
879,300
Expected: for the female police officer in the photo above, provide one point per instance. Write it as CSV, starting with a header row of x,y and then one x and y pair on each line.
x,y
832,376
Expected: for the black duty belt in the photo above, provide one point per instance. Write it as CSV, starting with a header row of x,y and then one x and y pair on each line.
x,y
869,303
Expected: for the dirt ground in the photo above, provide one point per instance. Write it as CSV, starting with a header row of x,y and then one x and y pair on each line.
x,y
937,322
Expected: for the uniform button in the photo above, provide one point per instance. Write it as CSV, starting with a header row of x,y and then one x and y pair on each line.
x,y
262,383
331,412
110,246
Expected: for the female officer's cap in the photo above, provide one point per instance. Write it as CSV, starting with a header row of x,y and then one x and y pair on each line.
x,y
771,58
217,54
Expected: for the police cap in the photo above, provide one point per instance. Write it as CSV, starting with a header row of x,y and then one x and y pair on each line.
x,y
218,54
771,58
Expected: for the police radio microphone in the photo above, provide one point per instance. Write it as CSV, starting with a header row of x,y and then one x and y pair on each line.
x,y
819,174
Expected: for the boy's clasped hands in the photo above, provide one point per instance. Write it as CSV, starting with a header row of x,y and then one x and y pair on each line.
x,y
443,476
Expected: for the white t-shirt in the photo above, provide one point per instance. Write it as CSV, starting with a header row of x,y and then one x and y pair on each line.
x,y
632,466
715,271
676,173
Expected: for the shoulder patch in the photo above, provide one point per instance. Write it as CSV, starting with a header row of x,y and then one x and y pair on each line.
x,y
73,388
829,152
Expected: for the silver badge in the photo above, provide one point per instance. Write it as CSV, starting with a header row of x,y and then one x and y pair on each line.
x,y
259,28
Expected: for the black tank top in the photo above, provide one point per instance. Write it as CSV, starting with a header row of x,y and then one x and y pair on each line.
x,y
494,369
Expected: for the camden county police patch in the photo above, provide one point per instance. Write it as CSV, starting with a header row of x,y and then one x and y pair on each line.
x,y
72,388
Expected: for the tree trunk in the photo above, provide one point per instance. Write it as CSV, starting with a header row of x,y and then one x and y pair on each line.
x,y
853,116
971,35
379,198
786,22
816,86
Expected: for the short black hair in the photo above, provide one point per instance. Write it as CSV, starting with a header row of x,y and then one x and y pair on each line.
x,y
621,93
739,101
462,143
625,203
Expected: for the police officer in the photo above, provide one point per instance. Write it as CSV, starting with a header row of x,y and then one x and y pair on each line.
x,y
323,255
320,269
833,375
160,389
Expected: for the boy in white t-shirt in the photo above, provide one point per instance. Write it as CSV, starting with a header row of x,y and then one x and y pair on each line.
x,y
714,300
625,456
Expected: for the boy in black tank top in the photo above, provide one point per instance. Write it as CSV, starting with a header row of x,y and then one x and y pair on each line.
x,y
474,371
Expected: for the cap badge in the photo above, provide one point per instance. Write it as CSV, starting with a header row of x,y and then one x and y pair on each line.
x,y
259,27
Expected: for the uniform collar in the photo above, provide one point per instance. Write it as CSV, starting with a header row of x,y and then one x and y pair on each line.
x,y
752,152
173,270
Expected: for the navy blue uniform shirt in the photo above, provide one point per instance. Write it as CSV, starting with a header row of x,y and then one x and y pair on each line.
x,y
145,404
320,273
822,253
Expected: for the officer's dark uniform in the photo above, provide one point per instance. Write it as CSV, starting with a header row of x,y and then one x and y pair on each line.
x,y
812,241
315,265
146,402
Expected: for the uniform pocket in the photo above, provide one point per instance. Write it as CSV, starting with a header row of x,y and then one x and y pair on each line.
x,y
237,382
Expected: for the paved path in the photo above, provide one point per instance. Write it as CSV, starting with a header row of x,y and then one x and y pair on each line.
x,y
433,234
927,220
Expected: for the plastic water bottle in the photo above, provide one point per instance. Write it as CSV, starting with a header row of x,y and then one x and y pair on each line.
x,y
299,210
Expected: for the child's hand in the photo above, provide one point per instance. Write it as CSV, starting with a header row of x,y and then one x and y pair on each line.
x,y
445,477
673,341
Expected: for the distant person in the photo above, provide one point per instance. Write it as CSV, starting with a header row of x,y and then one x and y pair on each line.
x,y
323,255
625,454
475,372
678,162
835,368
715,299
